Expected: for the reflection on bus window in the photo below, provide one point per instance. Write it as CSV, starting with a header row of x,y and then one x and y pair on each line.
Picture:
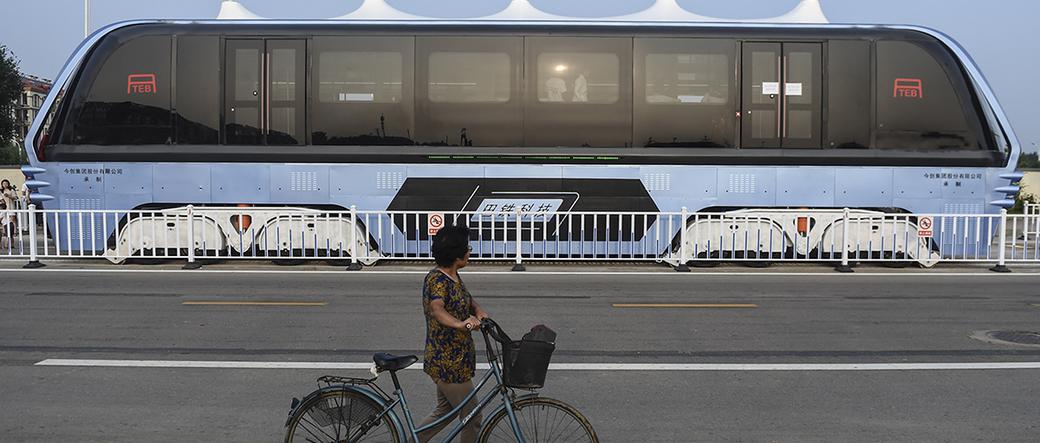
x,y
115,112
469,77
578,77
929,115
363,93
198,90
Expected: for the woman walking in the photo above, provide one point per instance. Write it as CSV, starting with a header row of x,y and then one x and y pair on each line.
x,y
451,316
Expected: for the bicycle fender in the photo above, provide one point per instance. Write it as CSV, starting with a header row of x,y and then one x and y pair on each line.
x,y
372,395
502,406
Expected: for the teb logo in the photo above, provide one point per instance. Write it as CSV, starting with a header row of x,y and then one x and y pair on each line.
x,y
908,88
140,84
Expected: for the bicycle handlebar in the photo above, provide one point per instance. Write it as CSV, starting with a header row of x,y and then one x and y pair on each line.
x,y
489,327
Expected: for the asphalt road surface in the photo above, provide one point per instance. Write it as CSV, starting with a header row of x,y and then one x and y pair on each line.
x,y
837,347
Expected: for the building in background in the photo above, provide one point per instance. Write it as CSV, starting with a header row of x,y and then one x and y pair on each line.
x,y
34,91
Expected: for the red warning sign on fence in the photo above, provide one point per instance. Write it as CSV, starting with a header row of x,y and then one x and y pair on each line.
x,y
434,223
924,227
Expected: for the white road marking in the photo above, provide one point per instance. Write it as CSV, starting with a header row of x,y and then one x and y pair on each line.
x,y
558,366
625,273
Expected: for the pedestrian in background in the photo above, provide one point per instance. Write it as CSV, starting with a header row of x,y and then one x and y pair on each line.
x,y
10,199
10,194
6,226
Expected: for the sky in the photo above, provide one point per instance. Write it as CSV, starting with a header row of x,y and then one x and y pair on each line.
x,y
1001,35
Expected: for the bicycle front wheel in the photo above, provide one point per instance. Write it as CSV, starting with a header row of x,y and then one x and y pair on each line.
x,y
341,416
541,419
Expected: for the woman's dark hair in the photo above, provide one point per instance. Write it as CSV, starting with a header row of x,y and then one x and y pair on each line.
x,y
450,243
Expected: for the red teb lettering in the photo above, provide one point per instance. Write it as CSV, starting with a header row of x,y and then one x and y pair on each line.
x,y
140,84
908,88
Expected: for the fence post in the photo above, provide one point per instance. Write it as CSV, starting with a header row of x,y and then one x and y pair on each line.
x,y
1002,253
682,266
519,266
354,264
844,266
34,262
192,264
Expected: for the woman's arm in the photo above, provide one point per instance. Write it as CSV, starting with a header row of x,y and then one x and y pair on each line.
x,y
443,317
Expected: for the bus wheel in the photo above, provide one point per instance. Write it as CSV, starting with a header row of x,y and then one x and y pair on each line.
x,y
700,262
757,264
898,260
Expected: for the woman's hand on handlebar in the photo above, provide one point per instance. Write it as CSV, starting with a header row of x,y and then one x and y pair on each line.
x,y
470,323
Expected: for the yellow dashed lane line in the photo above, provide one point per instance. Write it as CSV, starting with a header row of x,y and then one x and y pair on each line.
x,y
686,305
255,303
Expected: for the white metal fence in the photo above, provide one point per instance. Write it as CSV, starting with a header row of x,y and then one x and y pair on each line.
x,y
675,238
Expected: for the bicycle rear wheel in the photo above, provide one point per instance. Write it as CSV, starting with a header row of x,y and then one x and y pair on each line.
x,y
340,416
541,420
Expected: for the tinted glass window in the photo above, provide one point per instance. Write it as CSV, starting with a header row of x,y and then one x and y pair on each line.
x,y
848,102
579,92
918,104
685,94
469,91
578,77
129,95
469,77
198,90
364,91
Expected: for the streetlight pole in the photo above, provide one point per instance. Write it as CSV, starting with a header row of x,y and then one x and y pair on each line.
x,y
86,18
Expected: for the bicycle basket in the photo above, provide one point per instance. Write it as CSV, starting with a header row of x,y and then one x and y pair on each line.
x,y
526,362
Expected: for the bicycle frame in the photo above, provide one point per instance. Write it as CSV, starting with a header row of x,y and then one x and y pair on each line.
x,y
500,390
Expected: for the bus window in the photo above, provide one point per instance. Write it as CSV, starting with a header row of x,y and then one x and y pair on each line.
x,y
198,90
580,92
469,77
578,77
918,106
128,98
364,91
848,100
469,91
684,95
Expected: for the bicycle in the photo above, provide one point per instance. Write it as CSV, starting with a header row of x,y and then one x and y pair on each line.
x,y
348,409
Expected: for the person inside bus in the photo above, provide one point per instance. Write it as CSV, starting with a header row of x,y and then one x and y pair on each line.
x,y
451,316
555,87
581,88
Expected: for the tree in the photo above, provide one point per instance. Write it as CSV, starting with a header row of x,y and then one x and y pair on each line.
x,y
1029,161
10,91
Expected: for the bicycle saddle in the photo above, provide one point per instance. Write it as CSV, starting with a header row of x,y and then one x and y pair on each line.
x,y
389,362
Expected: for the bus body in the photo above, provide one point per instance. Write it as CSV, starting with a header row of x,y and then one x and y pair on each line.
x,y
534,116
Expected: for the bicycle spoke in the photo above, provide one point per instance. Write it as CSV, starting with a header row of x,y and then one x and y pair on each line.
x,y
341,417
313,425
541,421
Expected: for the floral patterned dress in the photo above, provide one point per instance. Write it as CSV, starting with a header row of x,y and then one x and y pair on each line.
x,y
450,356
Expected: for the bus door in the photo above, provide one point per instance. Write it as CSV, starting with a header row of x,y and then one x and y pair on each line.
x,y
781,95
264,92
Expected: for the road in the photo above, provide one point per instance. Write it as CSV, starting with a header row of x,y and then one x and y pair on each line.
x,y
789,318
